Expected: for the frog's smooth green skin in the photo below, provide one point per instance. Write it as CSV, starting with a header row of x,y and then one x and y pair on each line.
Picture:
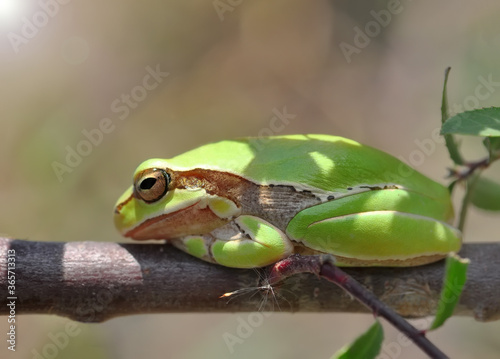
x,y
250,202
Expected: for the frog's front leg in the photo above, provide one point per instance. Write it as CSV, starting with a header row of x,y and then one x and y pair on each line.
x,y
245,242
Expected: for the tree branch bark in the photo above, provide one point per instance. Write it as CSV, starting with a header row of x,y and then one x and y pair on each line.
x,y
96,281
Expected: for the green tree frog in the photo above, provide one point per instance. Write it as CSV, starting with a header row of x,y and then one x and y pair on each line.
x,y
251,202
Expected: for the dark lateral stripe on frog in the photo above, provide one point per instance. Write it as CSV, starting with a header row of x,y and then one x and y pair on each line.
x,y
241,191
219,183
276,203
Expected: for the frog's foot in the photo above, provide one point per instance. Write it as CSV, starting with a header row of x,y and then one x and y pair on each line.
x,y
245,242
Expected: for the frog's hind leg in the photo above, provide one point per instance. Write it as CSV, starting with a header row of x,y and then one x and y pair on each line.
x,y
393,227
245,242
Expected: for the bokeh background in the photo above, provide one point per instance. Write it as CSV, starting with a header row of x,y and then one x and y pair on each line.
x,y
371,71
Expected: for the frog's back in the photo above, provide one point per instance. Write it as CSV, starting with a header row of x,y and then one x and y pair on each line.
x,y
324,162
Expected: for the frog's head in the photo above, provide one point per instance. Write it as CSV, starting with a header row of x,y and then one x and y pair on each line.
x,y
165,203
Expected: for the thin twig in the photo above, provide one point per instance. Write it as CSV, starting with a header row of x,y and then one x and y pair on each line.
x,y
327,270
471,168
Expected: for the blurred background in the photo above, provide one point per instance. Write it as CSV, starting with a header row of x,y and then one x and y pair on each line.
x,y
88,90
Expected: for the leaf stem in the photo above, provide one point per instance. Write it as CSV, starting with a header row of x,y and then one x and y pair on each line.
x,y
470,184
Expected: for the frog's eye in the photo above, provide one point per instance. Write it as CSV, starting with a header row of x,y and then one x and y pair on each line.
x,y
152,184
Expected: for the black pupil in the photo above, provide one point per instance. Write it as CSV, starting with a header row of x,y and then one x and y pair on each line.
x,y
148,183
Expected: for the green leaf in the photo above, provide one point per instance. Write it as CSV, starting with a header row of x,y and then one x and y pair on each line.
x,y
486,194
366,346
451,144
454,281
481,122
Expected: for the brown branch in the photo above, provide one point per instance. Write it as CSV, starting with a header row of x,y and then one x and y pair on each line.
x,y
96,281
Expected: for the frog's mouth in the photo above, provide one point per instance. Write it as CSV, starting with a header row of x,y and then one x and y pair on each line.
x,y
192,220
